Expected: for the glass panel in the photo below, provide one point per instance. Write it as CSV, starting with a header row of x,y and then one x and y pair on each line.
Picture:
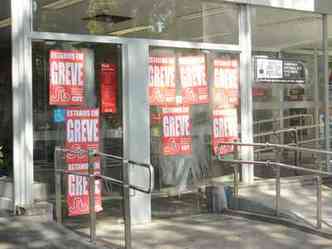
x,y
6,114
77,93
287,88
194,106
185,20
287,95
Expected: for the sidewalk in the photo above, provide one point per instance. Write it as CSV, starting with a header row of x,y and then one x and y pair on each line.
x,y
38,233
211,231
208,231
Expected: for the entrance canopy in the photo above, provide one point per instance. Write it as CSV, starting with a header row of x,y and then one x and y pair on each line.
x,y
319,6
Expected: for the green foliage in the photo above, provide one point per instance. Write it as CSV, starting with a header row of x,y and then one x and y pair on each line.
x,y
4,161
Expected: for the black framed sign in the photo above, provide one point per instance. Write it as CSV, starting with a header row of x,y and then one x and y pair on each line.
x,y
279,71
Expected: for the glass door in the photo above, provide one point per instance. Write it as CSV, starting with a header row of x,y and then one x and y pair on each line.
x,y
77,102
194,106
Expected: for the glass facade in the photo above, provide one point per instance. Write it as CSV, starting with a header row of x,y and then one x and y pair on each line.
x,y
6,114
194,94
288,85
54,75
194,101
184,20
141,94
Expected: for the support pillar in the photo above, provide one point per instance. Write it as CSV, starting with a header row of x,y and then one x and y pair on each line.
x,y
22,103
326,88
137,128
245,40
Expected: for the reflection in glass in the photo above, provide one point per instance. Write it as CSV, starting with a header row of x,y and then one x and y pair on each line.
x,y
185,20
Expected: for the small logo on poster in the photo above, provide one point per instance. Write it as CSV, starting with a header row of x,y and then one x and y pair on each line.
x,y
59,115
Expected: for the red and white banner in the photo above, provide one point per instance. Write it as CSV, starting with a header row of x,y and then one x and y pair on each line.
x,y
78,190
258,91
82,133
108,88
226,92
176,131
66,86
193,80
225,129
162,88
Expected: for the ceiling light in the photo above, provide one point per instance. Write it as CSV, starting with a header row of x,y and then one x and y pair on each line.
x,y
107,18
5,23
61,4
131,30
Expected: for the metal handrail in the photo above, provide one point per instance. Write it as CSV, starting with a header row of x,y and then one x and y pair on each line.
x,y
280,146
313,140
144,165
293,129
275,132
277,166
284,118
92,177
94,153
272,163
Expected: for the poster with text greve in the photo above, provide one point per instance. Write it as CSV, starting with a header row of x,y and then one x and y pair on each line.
x,y
176,140
108,88
162,88
194,87
226,90
225,129
66,72
78,189
82,134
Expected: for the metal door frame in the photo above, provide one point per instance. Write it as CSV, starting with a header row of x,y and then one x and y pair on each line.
x,y
23,36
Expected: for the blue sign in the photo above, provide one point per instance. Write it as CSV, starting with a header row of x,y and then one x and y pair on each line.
x,y
59,115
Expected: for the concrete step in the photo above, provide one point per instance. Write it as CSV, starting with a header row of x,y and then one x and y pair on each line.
x,y
6,203
39,190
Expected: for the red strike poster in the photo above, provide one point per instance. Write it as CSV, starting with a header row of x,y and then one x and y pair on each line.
x,y
193,80
225,129
108,88
78,190
82,132
176,139
66,86
258,91
162,89
226,91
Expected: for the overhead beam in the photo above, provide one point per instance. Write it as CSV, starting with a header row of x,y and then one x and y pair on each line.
x,y
318,6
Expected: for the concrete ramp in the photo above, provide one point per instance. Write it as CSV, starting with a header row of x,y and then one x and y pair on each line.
x,y
298,200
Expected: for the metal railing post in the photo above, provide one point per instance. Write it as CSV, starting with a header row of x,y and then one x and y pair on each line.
x,y
91,178
277,201
319,202
92,209
296,152
236,186
126,197
58,201
236,176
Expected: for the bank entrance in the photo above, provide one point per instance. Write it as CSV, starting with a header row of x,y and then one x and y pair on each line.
x,y
172,84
